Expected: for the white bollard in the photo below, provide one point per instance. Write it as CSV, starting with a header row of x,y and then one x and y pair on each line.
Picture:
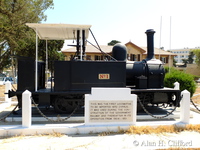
x,y
7,88
26,109
177,86
185,107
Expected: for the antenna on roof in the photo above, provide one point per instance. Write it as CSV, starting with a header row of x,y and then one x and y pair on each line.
x,y
170,34
169,43
160,35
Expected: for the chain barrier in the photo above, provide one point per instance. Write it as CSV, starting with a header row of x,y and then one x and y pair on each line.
x,y
62,120
198,110
52,120
3,118
156,117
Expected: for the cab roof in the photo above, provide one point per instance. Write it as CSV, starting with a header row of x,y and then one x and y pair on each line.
x,y
58,31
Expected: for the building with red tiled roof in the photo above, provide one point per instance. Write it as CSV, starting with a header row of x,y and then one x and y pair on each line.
x,y
134,53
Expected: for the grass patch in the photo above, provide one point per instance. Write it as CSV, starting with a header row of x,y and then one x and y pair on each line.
x,y
162,129
177,148
21,136
120,131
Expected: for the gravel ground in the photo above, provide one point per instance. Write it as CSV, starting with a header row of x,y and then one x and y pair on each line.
x,y
183,140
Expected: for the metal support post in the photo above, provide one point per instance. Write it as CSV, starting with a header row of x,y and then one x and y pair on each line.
x,y
36,63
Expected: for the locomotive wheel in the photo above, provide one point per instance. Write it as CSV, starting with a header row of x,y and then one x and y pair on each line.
x,y
62,105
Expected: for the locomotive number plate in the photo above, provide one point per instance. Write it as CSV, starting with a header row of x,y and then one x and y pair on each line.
x,y
104,76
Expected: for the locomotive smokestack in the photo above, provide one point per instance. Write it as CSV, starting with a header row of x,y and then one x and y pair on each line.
x,y
150,44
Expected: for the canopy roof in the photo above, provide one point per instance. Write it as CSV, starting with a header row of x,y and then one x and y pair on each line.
x,y
58,31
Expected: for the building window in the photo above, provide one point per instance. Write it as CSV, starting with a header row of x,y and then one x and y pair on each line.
x,y
128,57
71,57
132,57
88,57
138,57
164,60
97,57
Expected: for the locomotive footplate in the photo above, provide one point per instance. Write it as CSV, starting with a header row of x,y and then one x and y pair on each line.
x,y
62,101
165,89
158,95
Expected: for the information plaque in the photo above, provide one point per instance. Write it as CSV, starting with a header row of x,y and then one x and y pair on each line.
x,y
108,111
106,106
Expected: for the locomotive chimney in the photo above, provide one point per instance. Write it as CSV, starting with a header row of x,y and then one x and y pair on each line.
x,y
150,44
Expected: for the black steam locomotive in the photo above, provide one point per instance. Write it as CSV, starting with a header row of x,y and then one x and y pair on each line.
x,y
73,79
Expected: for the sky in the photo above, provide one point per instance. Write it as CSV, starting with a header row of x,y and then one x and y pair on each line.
x,y
176,22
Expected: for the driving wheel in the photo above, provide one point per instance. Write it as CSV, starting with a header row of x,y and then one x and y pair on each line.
x,y
63,105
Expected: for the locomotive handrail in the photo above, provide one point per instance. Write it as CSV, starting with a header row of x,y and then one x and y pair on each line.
x,y
99,48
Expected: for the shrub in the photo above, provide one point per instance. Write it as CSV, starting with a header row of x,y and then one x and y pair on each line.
x,y
186,80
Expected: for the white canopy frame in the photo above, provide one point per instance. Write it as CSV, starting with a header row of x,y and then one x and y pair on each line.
x,y
57,32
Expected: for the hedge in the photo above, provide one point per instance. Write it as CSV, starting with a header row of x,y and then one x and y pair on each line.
x,y
186,80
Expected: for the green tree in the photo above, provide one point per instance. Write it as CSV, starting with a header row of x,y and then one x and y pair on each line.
x,y
185,61
113,42
14,14
4,57
197,54
54,47
190,57
174,62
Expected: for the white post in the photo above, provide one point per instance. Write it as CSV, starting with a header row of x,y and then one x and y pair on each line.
x,y
185,107
26,109
177,86
7,88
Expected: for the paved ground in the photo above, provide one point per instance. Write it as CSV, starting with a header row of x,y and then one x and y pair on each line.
x,y
103,142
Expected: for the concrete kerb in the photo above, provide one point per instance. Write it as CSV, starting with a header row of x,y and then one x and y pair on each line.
x,y
81,128
74,129
4,105
69,129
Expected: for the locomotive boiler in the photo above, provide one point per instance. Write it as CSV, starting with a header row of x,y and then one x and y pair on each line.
x,y
75,78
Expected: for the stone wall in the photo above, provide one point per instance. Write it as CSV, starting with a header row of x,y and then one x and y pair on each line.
x,y
193,69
